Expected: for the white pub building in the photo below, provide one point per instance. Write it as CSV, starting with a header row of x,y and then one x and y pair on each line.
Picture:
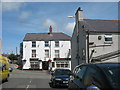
x,y
46,50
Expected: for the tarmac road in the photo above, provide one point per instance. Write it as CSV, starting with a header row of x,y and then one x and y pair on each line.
x,y
25,80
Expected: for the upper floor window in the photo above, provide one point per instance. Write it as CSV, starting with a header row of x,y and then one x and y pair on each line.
x,y
56,43
33,53
108,39
33,44
46,43
57,54
46,53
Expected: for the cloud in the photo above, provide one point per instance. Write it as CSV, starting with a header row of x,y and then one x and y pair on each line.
x,y
69,27
24,16
47,23
9,6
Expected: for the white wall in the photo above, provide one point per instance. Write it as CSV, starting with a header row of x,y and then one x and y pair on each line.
x,y
40,48
103,49
27,53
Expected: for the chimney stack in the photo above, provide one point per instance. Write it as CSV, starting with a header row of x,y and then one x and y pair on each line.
x,y
79,15
50,30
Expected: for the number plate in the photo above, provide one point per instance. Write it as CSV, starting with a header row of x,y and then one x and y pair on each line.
x,y
65,81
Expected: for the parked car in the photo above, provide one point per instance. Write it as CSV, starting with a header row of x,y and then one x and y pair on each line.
x,y
4,69
95,76
60,77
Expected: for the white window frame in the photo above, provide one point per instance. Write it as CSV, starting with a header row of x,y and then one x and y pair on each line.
x,y
46,53
33,53
46,43
57,43
33,43
62,64
57,54
108,37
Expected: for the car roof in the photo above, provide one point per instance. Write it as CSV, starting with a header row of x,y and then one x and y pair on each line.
x,y
61,69
103,65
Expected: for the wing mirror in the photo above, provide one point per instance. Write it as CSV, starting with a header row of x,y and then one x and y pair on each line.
x,y
52,72
93,87
10,69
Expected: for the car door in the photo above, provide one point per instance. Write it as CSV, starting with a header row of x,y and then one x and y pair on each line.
x,y
78,77
93,76
1,72
4,71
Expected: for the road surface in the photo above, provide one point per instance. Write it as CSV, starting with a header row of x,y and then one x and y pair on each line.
x,y
27,80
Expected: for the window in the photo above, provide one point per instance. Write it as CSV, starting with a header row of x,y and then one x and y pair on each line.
x,y
94,76
57,55
33,44
46,43
62,64
33,53
46,53
108,39
81,72
3,66
56,43
88,76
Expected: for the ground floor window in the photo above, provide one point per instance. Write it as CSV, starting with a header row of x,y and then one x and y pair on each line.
x,y
62,64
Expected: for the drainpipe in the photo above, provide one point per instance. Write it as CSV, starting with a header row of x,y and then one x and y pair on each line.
x,y
50,50
88,47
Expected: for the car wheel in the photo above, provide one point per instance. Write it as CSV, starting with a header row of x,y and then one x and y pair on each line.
x,y
53,85
6,80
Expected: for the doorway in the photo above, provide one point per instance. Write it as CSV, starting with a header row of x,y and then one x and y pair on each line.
x,y
45,65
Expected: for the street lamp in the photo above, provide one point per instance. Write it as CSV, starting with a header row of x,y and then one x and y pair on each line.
x,y
71,16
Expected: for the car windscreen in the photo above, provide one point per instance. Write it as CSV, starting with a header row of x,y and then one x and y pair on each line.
x,y
113,75
62,72
1,65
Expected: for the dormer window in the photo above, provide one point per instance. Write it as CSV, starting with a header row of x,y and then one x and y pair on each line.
x,y
108,38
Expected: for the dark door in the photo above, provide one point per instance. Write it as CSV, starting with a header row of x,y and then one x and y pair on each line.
x,y
45,65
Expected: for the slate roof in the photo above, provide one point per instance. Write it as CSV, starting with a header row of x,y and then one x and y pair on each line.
x,y
101,25
46,37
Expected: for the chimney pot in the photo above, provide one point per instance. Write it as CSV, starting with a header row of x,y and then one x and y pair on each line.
x,y
50,30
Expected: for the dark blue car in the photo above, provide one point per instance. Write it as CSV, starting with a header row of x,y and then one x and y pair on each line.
x,y
60,77
98,76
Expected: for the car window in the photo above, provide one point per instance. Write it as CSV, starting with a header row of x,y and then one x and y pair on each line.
x,y
113,75
88,76
62,72
95,76
0,66
75,70
81,71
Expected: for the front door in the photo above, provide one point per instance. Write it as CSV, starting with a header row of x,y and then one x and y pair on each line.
x,y
45,65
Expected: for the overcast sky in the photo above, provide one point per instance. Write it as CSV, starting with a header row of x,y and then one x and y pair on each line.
x,y
35,17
